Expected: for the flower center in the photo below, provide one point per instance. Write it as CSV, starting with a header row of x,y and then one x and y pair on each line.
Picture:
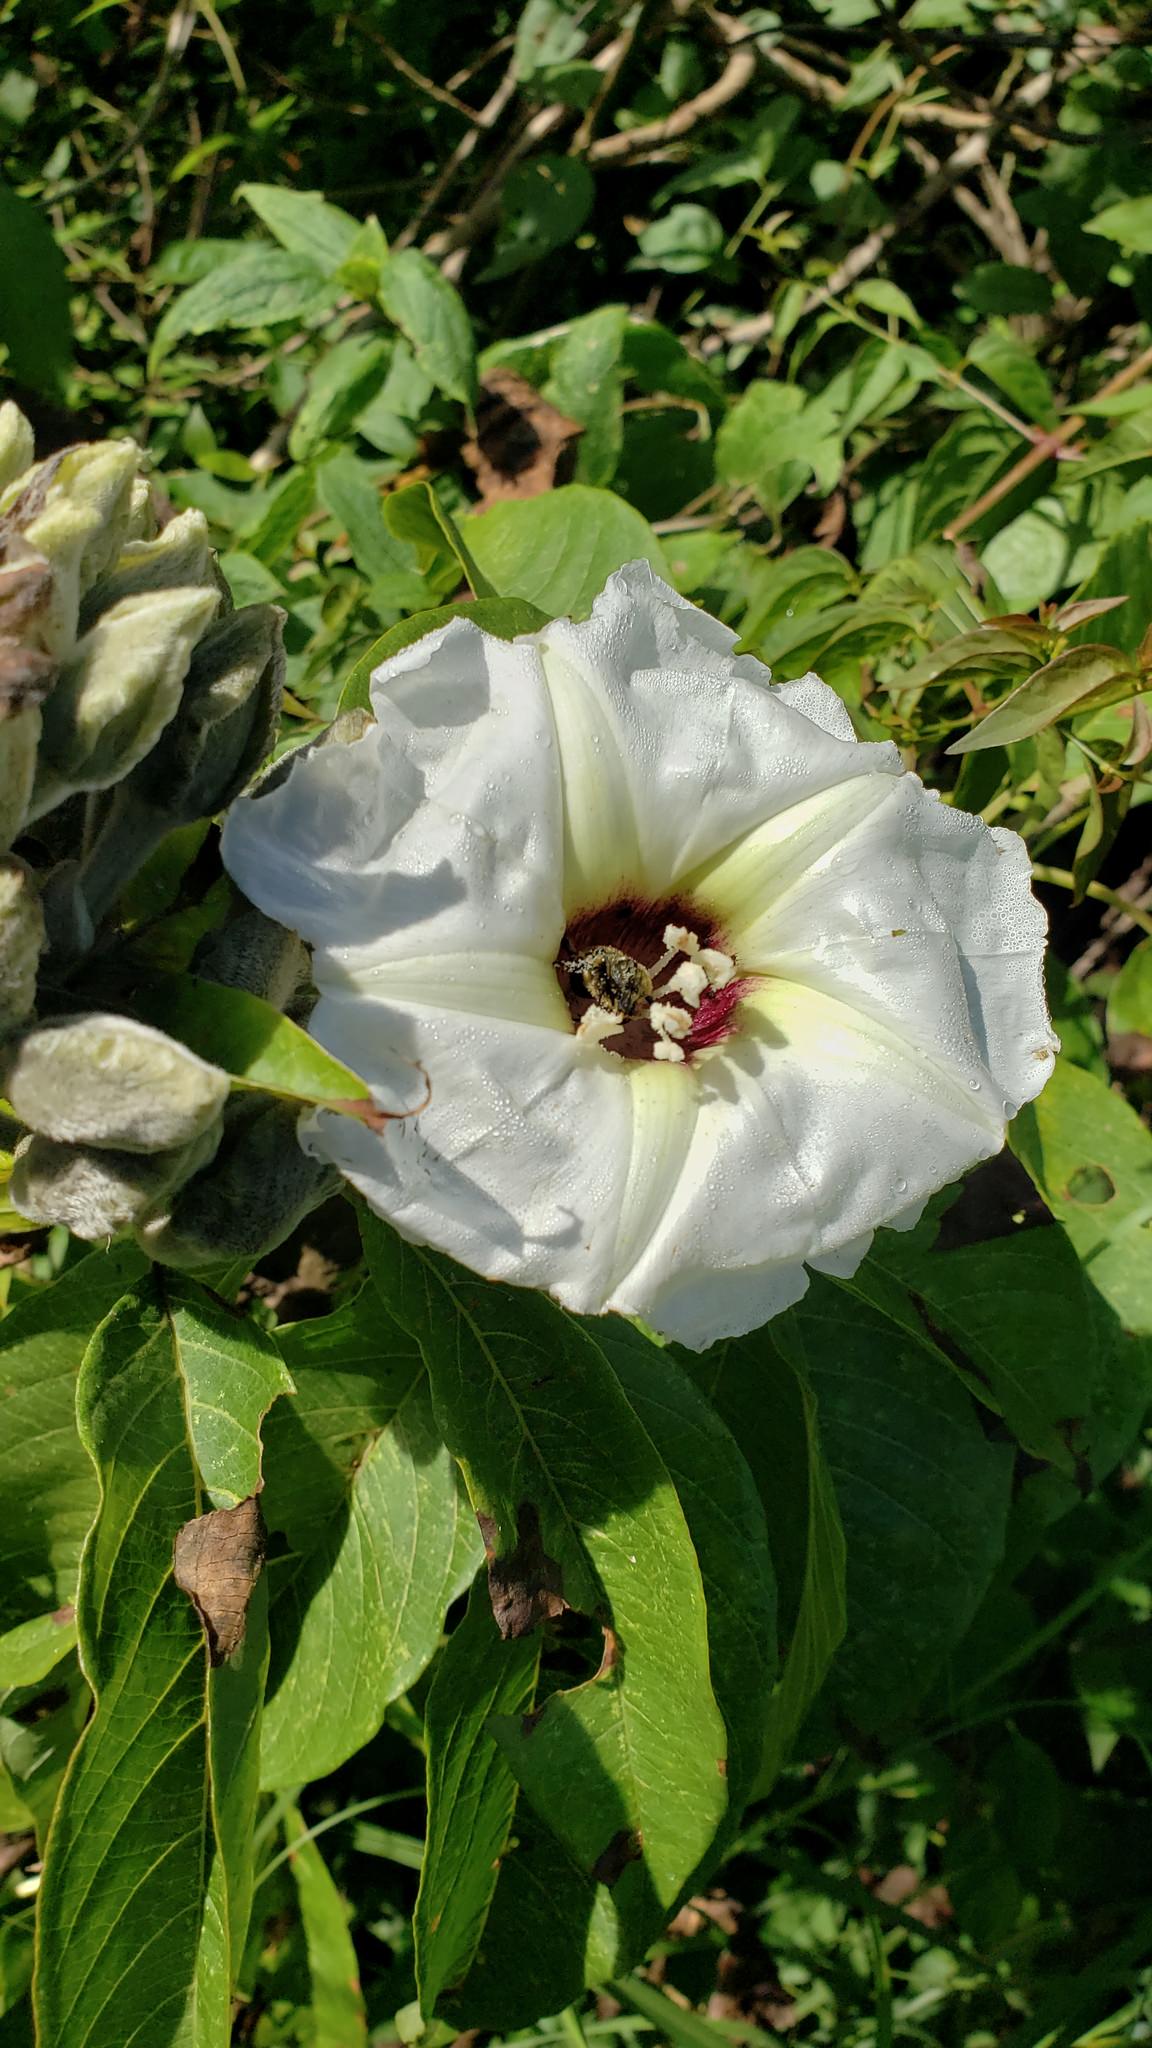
x,y
648,981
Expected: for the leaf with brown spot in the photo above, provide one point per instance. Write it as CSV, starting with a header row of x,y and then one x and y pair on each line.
x,y
523,446
217,1560
526,1585
626,1846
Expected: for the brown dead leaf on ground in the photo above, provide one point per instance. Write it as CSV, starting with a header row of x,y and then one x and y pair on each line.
x,y
522,445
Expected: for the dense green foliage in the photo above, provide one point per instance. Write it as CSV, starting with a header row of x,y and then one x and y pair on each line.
x,y
843,320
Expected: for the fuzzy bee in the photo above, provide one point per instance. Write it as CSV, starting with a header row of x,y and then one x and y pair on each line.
x,y
613,980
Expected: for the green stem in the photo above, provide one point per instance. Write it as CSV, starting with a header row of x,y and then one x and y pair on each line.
x,y
1063,878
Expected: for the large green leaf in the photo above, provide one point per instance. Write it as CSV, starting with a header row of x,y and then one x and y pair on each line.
x,y
379,1539
144,1901
922,1495
559,550
35,317
429,311
1038,1340
771,1411
1091,1158
46,1476
726,1521
304,223
261,287
625,1768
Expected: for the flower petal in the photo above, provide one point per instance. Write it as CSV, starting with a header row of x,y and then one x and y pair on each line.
x,y
672,746
814,1125
439,831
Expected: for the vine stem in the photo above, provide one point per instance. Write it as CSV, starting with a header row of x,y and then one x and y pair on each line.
x,y
1063,878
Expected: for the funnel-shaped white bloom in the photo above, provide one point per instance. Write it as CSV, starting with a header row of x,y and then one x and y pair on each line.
x,y
704,987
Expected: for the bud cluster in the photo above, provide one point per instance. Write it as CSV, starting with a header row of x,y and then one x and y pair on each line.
x,y
133,700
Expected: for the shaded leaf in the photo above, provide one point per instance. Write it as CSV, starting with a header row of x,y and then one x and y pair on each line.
x,y
304,223
35,313
558,551
506,617
338,2017
429,311
46,1475
377,1538
526,1400
1081,679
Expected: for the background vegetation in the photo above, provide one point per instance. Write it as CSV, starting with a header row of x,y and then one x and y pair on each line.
x,y
843,318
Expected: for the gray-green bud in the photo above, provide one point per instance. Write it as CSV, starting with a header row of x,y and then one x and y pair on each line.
x,y
21,942
258,1188
117,691
256,954
180,557
16,445
97,1193
75,509
25,680
110,1081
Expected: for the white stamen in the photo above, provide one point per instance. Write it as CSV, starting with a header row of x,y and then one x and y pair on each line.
x,y
668,1020
689,981
679,939
719,967
664,1049
596,1024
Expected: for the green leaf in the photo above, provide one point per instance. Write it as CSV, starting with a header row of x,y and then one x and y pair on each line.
x,y
726,1522
1130,996
1006,288
1042,1345
349,490
1080,679
771,1411
46,1475
506,617
472,1794
416,514
544,204
1091,1158
252,1041
922,1495
379,1537
1124,569
260,288
626,1770
34,1648
1128,222
587,383
145,1896
959,467
429,311
558,551
1028,559
35,310
685,239
304,223
1007,363
338,2017
340,386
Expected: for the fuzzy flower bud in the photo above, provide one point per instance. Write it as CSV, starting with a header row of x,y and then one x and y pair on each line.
x,y
25,680
110,1081
256,954
16,446
98,1193
75,509
21,941
117,691
259,1187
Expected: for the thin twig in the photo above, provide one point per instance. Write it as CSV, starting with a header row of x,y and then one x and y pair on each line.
x,y
1048,445
441,93
738,73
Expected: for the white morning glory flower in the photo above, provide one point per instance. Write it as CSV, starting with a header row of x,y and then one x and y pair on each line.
x,y
704,987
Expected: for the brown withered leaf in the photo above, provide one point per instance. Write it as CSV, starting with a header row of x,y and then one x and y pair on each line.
x,y
217,1560
525,1585
522,445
